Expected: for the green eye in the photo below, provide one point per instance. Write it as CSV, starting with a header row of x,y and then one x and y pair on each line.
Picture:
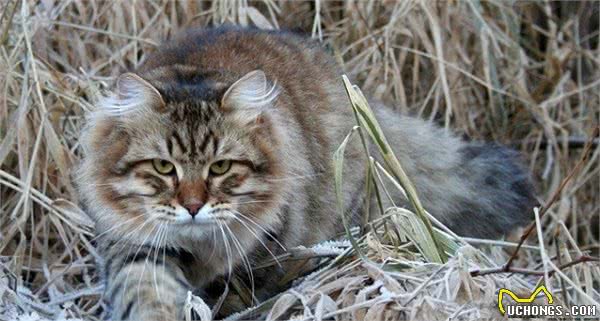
x,y
162,166
220,167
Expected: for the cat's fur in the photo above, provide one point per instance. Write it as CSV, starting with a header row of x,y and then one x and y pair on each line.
x,y
274,103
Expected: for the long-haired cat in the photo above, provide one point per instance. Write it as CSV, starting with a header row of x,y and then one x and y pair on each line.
x,y
218,150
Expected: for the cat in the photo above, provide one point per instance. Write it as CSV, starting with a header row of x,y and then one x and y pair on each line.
x,y
218,151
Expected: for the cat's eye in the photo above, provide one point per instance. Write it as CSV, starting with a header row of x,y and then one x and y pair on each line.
x,y
163,167
220,167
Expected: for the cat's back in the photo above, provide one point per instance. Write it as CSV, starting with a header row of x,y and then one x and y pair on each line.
x,y
216,57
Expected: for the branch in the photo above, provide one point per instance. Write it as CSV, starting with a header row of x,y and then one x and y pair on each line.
x,y
554,197
503,269
572,142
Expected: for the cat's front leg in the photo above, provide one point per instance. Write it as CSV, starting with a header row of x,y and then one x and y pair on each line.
x,y
145,287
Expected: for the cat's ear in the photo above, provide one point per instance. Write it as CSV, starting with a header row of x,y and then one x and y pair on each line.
x,y
132,93
248,97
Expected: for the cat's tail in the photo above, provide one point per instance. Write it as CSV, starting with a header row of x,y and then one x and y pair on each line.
x,y
502,194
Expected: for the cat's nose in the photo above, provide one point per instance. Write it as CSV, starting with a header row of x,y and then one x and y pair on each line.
x,y
193,208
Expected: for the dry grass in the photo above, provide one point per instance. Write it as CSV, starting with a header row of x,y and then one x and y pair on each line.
x,y
523,74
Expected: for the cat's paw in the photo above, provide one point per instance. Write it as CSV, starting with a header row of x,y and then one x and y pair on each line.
x,y
157,315
156,312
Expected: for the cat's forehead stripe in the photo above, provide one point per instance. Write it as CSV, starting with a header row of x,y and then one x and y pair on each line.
x,y
205,140
180,82
192,136
215,144
175,136
194,145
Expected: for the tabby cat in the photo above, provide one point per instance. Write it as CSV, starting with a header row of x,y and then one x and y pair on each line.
x,y
217,152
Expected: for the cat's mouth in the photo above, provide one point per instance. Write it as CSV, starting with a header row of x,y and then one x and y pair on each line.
x,y
219,219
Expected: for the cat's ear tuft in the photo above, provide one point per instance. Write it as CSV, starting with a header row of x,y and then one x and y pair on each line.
x,y
132,93
249,95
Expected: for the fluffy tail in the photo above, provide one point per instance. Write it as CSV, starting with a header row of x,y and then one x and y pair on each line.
x,y
502,195
474,188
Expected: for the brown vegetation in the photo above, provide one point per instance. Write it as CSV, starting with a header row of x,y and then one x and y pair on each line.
x,y
525,75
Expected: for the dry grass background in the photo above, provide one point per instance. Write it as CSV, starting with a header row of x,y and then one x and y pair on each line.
x,y
521,73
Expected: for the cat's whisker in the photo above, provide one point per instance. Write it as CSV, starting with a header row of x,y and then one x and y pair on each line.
x,y
249,202
127,240
245,225
291,178
161,230
269,234
152,245
149,254
250,220
128,237
214,242
139,248
228,253
244,258
117,226
103,184
164,247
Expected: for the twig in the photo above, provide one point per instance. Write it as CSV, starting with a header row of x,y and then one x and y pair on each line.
x,y
8,14
572,142
502,269
299,253
564,294
554,197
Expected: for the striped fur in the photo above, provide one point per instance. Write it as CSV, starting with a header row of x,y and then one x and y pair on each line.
x,y
272,103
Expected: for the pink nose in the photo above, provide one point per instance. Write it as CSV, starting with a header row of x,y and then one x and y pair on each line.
x,y
193,208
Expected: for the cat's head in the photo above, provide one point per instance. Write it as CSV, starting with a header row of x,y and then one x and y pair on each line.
x,y
190,166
